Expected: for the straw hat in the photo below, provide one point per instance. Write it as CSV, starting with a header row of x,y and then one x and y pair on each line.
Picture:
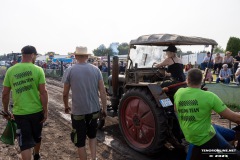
x,y
81,51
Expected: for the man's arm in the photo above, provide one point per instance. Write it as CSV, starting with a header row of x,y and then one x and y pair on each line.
x,y
229,73
237,73
66,89
230,115
103,96
5,98
175,108
205,59
235,60
44,100
220,74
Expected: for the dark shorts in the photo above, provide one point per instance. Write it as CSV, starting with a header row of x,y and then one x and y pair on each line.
x,y
82,126
29,129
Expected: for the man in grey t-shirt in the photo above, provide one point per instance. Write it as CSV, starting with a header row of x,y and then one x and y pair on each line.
x,y
86,82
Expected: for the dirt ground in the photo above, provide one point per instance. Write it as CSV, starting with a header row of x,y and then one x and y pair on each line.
x,y
56,144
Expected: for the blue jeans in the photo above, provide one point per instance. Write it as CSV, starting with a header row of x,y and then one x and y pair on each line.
x,y
225,80
223,135
205,64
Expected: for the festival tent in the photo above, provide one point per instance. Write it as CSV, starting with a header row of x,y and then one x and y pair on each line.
x,y
65,60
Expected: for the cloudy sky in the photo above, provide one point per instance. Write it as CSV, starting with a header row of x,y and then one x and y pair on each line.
x,y
61,25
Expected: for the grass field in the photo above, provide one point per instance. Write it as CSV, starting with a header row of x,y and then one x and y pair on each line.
x,y
230,94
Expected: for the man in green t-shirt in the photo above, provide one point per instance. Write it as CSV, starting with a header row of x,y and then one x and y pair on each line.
x,y
194,107
30,98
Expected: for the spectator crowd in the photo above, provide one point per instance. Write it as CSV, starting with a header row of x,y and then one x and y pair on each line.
x,y
225,68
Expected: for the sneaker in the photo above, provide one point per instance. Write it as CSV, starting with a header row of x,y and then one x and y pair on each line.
x,y
37,157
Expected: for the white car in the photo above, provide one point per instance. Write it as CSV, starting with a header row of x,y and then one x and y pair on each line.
x,y
2,63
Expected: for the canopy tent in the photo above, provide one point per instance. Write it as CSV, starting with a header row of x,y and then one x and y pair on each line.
x,y
65,60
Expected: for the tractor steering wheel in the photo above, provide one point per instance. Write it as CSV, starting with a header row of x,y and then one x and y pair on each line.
x,y
160,73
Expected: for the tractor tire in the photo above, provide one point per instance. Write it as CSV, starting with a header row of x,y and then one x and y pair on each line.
x,y
142,123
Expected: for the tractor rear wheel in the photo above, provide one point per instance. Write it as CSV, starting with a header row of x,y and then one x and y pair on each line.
x,y
142,123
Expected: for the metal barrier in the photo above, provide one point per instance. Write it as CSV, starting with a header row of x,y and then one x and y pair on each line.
x,y
52,72
57,73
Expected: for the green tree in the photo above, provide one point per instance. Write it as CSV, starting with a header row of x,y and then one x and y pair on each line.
x,y
50,53
123,49
218,49
233,45
102,51
109,51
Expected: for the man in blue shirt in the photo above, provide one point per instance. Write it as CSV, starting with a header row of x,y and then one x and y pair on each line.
x,y
224,75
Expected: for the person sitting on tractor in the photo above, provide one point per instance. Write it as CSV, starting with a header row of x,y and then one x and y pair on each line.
x,y
194,107
174,64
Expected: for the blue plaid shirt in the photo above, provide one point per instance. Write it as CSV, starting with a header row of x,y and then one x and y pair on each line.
x,y
225,73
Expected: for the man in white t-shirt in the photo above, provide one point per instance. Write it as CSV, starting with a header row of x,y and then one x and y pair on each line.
x,y
206,60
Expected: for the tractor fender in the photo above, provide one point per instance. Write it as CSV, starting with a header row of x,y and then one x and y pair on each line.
x,y
156,90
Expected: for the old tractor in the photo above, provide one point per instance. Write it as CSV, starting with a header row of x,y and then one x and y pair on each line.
x,y
142,97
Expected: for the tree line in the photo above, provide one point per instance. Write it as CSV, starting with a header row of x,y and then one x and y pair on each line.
x,y
116,49
233,45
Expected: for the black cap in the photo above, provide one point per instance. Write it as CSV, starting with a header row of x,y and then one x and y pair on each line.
x,y
171,48
29,50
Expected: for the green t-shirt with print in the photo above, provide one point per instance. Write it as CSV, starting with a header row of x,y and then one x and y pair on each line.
x,y
194,107
24,80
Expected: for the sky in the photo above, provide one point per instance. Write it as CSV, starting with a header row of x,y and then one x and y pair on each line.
x,y
61,25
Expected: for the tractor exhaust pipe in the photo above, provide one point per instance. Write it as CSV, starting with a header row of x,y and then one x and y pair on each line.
x,y
115,73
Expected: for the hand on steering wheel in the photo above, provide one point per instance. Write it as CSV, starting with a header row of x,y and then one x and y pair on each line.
x,y
158,72
154,64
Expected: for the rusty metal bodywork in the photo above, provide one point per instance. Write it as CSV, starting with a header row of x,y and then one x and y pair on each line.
x,y
140,75
168,39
